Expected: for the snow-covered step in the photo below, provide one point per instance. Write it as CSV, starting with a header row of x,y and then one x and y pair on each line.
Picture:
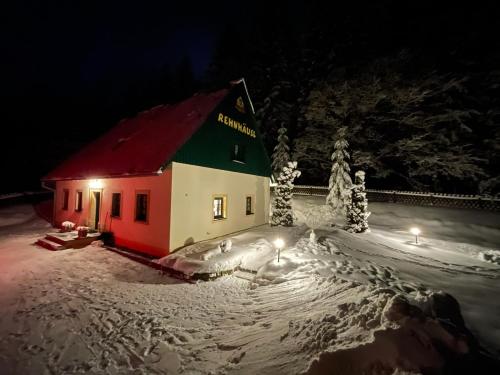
x,y
48,244
244,275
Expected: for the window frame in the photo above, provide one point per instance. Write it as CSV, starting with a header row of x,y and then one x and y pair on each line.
x,y
242,149
223,216
65,203
252,204
120,203
79,200
148,205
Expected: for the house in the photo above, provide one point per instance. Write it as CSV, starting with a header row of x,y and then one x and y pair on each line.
x,y
171,176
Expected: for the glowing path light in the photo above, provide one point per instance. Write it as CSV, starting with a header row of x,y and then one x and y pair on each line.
x,y
416,232
279,244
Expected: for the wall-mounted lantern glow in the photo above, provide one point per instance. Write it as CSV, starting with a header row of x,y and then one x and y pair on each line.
x,y
279,244
416,232
95,184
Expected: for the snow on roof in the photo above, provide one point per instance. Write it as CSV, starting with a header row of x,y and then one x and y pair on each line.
x,y
140,145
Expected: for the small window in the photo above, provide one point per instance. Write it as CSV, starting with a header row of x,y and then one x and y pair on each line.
x,y
79,201
219,207
65,199
141,206
238,153
249,205
116,203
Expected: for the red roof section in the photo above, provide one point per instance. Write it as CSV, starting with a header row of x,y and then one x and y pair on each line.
x,y
140,145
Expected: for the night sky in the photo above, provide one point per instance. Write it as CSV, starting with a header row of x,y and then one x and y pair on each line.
x,y
65,66
70,70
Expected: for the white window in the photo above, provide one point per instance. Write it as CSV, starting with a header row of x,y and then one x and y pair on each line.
x,y
219,207
79,200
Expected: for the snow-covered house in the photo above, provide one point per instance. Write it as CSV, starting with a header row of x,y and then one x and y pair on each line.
x,y
171,176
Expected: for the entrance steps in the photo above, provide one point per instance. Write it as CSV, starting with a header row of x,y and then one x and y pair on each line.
x,y
66,240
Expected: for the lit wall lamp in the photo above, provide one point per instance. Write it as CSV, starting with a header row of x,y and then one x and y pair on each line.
x,y
95,184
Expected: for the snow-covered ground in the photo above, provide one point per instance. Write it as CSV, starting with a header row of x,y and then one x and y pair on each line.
x,y
347,305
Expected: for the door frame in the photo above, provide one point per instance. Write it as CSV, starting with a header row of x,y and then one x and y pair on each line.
x,y
92,208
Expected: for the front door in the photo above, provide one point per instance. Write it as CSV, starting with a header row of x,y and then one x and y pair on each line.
x,y
95,209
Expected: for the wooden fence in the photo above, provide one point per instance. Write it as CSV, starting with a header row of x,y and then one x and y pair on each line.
x,y
414,198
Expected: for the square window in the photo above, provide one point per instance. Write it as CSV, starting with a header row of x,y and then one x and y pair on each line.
x,y
142,206
116,203
65,199
249,205
238,153
79,200
219,207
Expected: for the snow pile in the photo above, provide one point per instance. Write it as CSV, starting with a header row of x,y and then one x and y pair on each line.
x,y
215,262
492,256
13,215
385,334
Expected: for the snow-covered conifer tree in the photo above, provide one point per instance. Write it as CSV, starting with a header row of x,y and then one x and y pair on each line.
x,y
357,208
281,155
282,208
340,181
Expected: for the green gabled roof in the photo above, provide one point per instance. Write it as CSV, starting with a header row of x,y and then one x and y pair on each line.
x,y
231,123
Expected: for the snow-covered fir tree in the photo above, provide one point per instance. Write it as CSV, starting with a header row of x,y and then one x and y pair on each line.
x,y
357,207
282,208
340,181
281,155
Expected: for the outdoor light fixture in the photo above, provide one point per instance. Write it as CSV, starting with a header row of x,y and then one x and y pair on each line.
x,y
95,184
415,231
279,244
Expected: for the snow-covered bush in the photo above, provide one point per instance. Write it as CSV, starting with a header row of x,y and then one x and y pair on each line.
x,y
68,225
340,181
357,207
226,245
280,156
211,253
282,209
315,217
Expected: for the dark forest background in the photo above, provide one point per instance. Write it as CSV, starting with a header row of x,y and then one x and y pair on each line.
x,y
416,83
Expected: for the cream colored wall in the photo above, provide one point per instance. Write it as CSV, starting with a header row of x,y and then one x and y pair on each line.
x,y
193,188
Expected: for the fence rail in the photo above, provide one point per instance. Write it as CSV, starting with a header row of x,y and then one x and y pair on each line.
x,y
414,198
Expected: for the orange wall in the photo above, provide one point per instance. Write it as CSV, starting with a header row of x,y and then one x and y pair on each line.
x,y
151,238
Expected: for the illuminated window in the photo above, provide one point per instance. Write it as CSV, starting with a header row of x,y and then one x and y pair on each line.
x,y
65,199
238,153
116,205
219,207
79,201
142,206
249,205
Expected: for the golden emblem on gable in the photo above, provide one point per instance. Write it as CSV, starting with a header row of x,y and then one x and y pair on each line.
x,y
240,105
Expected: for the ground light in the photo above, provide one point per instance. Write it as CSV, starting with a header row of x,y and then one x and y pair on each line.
x,y
279,244
416,232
